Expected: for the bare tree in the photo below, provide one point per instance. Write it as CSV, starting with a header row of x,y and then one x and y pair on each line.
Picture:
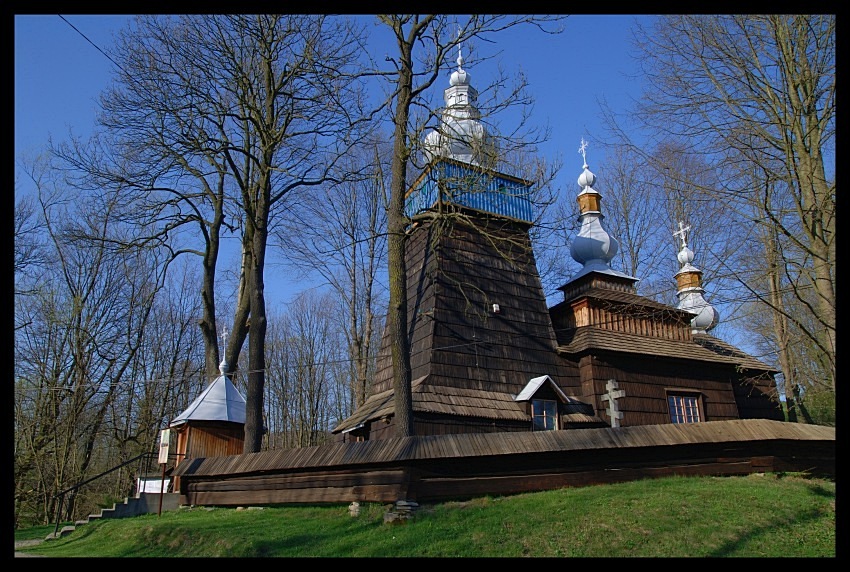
x,y
27,247
304,352
167,371
222,116
89,318
340,234
755,96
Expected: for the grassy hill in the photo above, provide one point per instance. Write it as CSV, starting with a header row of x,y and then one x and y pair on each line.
x,y
753,516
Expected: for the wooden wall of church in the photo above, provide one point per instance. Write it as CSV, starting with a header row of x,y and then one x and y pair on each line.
x,y
475,346
420,303
757,397
449,425
382,429
646,381
455,275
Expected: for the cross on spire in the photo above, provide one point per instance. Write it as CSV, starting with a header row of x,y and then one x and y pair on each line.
x,y
459,54
682,233
222,367
583,149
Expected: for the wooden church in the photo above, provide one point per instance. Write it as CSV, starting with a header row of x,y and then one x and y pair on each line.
x,y
488,355
509,395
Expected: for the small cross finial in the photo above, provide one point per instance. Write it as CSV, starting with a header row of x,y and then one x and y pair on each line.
x,y
459,54
583,150
223,365
682,233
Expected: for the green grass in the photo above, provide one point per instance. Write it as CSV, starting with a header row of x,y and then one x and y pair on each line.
x,y
754,516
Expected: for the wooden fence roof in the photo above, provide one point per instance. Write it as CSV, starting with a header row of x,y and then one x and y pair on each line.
x,y
430,447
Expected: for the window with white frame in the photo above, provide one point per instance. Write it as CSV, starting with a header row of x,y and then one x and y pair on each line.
x,y
684,407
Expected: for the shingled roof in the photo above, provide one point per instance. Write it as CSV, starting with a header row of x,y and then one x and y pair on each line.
x,y
628,299
464,402
704,347
728,351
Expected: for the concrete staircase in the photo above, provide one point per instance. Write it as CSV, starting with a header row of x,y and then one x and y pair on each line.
x,y
144,503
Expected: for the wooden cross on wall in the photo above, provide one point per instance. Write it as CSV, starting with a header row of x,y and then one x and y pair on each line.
x,y
611,395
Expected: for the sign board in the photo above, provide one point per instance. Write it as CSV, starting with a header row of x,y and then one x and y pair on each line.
x,y
152,484
164,437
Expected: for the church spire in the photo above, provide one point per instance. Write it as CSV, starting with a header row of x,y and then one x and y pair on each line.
x,y
593,248
461,134
690,292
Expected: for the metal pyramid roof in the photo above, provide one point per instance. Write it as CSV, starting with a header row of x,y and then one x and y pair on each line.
x,y
221,401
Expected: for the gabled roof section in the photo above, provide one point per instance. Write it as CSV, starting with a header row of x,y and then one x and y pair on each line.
x,y
598,269
376,406
629,299
534,384
221,401
703,348
728,351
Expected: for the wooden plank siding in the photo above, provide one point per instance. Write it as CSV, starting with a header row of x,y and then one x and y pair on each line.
x,y
439,467
645,402
724,395
208,439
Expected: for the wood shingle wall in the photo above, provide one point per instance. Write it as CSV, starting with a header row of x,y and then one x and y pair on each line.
x,y
470,359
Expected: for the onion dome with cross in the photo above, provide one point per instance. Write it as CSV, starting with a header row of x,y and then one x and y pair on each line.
x,y
461,134
690,291
593,248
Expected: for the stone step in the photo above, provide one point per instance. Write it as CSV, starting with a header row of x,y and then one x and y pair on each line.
x,y
145,503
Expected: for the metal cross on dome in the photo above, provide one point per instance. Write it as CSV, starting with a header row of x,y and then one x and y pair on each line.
x,y
459,60
222,367
682,233
583,150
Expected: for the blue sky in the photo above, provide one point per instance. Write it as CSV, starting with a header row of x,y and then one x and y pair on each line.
x,y
59,74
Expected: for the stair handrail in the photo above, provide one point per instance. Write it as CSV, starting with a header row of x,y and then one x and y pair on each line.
x,y
61,494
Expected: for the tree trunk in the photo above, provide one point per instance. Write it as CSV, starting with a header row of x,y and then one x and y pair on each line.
x,y
254,426
397,266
